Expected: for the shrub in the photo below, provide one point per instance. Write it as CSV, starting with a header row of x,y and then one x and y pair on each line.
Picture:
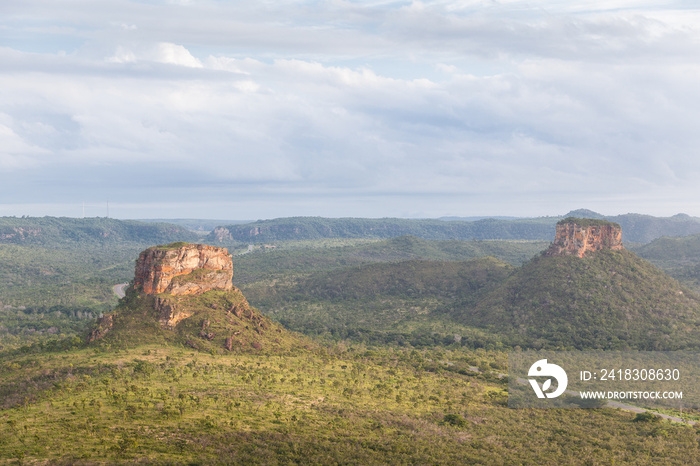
x,y
454,420
646,417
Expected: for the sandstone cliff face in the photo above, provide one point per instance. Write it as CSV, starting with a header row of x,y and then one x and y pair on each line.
x,y
581,238
222,234
187,269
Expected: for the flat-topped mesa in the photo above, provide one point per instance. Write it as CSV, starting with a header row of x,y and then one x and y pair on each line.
x,y
183,269
577,236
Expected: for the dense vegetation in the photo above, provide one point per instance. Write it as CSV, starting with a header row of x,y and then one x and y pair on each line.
x,y
680,257
608,300
51,293
291,259
384,302
47,293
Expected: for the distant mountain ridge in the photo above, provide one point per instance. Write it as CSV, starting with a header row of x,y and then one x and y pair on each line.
x,y
637,228
65,232
309,228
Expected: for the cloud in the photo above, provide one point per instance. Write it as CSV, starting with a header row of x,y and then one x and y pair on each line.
x,y
333,103
162,52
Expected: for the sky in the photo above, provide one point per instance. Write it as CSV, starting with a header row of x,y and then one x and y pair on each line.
x,y
253,110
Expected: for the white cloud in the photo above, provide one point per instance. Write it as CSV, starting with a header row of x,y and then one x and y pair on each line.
x,y
17,153
176,55
162,52
466,100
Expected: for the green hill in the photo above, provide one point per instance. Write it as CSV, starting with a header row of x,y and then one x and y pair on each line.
x,y
608,300
301,258
64,232
383,302
679,250
679,257
414,278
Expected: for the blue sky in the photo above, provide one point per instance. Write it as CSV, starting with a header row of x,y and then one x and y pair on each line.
x,y
247,110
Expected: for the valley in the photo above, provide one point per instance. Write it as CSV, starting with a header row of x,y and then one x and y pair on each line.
x,y
326,350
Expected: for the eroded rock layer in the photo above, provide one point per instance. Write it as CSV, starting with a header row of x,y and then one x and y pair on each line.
x,y
183,269
580,237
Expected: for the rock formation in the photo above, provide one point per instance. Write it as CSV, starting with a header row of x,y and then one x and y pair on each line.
x,y
579,237
104,325
183,269
183,294
222,234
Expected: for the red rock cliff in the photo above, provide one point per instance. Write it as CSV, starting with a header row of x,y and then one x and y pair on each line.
x,y
183,269
582,236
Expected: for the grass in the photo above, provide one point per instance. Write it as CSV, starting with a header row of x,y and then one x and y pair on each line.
x,y
587,222
343,404
175,245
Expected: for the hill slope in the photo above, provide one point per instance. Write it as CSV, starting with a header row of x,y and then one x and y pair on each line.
x,y
383,302
608,299
182,293
288,259
669,249
215,322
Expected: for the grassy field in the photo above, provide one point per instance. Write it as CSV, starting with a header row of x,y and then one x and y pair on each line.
x,y
346,404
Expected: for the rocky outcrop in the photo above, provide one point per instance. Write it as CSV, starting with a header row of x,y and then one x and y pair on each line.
x,y
582,236
183,269
104,325
183,294
169,313
19,233
222,234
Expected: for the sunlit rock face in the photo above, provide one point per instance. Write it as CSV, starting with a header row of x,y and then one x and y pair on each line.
x,y
183,269
580,237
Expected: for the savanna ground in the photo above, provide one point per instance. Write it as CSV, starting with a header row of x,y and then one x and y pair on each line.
x,y
344,404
